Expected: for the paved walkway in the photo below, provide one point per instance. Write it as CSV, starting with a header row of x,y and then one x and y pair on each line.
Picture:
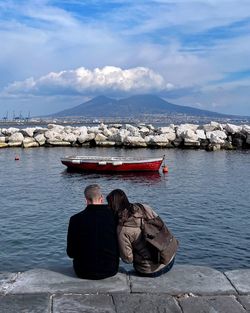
x,y
185,289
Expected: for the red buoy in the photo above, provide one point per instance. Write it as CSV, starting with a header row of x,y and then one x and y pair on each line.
x,y
165,169
17,158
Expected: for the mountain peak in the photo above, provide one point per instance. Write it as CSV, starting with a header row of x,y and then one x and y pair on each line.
x,y
102,106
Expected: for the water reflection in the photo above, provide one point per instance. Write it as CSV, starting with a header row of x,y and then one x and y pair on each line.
x,y
131,177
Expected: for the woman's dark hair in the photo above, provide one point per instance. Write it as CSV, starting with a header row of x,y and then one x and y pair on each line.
x,y
119,203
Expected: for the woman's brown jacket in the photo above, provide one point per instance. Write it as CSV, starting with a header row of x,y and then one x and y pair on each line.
x,y
133,247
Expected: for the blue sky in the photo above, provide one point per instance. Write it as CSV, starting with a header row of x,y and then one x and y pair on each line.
x,y
56,54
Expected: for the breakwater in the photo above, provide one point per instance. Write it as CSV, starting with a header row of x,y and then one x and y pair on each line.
x,y
212,136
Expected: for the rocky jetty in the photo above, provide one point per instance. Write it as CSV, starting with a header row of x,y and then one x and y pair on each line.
x,y
212,136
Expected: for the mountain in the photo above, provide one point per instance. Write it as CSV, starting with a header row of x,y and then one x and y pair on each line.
x,y
102,106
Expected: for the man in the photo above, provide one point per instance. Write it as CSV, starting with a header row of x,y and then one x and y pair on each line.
x,y
92,239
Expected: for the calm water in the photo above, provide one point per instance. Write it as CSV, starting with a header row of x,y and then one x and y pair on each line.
x,y
205,200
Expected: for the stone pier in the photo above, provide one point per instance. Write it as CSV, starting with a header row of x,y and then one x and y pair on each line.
x,y
185,289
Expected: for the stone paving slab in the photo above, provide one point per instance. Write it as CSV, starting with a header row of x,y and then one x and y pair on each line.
x,y
28,303
142,303
245,301
216,304
240,279
46,281
183,279
83,304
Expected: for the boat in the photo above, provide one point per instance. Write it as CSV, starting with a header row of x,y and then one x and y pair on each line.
x,y
112,164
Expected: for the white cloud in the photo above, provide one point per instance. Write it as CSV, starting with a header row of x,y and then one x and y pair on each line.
x,y
84,81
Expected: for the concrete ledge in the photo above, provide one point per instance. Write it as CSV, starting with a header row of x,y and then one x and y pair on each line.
x,y
240,279
185,289
183,279
45,281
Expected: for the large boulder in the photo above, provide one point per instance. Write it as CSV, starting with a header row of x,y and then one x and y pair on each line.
x,y
212,126
169,132
85,138
134,131
10,131
100,138
3,145
15,140
191,139
2,139
232,129
157,140
246,129
30,142
27,132
40,138
119,136
183,128
135,141
57,142
70,138
39,130
94,130
216,133
201,134
53,135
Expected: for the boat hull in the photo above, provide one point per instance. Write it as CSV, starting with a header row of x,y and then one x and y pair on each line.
x,y
147,166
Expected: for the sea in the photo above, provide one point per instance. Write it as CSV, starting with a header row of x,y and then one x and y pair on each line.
x,y
204,199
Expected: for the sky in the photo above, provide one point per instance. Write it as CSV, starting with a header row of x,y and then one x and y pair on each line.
x,y
57,54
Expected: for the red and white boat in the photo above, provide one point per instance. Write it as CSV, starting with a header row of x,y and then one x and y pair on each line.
x,y
112,164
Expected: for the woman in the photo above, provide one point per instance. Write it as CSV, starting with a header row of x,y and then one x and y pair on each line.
x,y
133,247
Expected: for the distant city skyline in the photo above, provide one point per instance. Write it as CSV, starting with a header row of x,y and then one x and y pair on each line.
x,y
57,54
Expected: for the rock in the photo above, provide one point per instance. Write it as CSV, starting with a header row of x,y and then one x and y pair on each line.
x,y
183,128
232,129
2,139
40,138
134,131
9,131
144,131
70,138
201,134
53,135
100,138
39,130
157,141
216,136
135,141
169,132
3,145
212,126
16,138
213,147
57,142
95,130
248,139
85,138
239,140
119,136
27,132
29,142
246,129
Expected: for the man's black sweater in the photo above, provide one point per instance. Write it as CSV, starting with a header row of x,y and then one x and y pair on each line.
x,y
92,242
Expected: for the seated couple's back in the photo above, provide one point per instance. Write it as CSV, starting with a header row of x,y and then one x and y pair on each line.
x,y
100,234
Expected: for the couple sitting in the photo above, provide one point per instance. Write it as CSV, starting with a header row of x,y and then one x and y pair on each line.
x,y
100,234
